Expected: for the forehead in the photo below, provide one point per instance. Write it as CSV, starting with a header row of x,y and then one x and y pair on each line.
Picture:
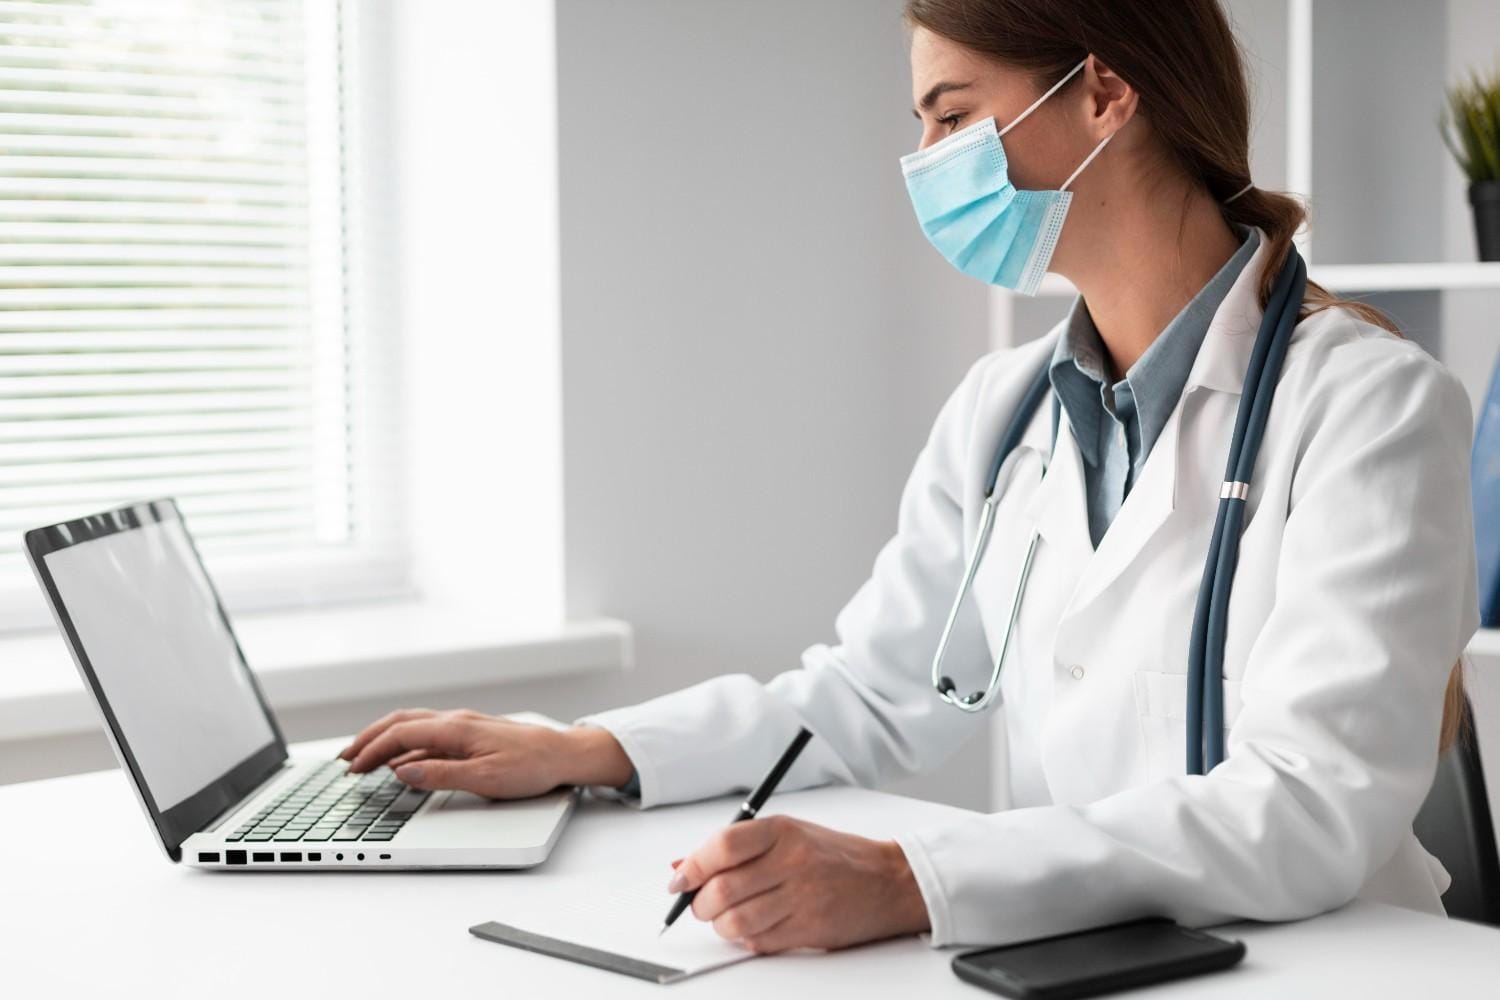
x,y
935,59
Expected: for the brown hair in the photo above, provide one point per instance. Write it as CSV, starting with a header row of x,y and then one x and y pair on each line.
x,y
1185,64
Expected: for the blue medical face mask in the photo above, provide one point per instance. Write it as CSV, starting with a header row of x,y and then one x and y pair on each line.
x,y
976,217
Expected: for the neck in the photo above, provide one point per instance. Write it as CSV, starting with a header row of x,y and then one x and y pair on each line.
x,y
1177,242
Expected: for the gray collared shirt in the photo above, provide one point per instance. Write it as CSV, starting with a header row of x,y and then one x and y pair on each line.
x,y
1116,425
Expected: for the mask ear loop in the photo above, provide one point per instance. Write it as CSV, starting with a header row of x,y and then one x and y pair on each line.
x,y
1038,102
1086,161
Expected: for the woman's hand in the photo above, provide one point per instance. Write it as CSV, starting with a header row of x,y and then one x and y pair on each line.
x,y
779,883
494,757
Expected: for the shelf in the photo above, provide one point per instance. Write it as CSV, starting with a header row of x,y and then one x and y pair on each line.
x,y
1355,278
1406,277
1486,642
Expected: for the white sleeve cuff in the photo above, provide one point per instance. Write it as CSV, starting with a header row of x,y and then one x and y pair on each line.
x,y
931,887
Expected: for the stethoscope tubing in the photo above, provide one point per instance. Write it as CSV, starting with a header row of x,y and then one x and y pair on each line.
x,y
1205,680
1205,676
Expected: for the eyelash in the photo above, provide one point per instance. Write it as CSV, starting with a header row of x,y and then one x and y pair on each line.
x,y
951,120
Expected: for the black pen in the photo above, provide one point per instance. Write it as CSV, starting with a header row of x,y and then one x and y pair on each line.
x,y
747,811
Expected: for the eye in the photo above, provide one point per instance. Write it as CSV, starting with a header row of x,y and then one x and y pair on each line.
x,y
951,120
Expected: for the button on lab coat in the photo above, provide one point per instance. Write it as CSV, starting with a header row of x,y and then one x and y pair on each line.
x,y
1355,595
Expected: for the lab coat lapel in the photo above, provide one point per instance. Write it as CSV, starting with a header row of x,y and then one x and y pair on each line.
x,y
1057,506
1150,502
1219,367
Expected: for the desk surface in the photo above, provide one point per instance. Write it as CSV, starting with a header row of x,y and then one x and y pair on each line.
x,y
88,906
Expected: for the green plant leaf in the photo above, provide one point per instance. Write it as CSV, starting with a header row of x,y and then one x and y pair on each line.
x,y
1470,125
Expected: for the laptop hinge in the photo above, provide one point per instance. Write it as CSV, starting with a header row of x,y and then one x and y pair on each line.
x,y
234,807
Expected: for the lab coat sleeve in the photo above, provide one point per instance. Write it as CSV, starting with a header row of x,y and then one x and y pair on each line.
x,y
1336,744
866,699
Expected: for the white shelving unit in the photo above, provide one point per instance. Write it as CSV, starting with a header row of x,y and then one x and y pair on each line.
x,y
1347,95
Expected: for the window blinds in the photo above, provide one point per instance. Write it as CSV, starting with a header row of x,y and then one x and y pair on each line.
x,y
171,268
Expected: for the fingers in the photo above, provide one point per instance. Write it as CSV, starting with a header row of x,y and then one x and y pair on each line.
x,y
752,919
438,735
729,889
379,726
410,757
434,774
781,936
730,847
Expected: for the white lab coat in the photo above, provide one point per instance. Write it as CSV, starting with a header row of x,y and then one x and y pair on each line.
x,y
1355,595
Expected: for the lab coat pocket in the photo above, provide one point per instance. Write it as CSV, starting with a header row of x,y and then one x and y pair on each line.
x,y
1161,705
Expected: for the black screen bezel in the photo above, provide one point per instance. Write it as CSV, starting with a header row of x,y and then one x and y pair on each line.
x,y
181,821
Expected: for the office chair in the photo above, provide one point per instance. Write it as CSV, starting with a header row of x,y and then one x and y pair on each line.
x,y
1456,827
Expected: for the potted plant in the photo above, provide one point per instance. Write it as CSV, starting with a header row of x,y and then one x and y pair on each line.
x,y
1471,127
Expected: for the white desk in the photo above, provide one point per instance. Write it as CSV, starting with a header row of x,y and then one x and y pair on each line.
x,y
88,907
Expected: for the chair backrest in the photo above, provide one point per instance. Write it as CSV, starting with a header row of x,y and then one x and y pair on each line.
x,y
1455,825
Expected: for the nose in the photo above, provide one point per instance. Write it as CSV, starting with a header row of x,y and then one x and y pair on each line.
x,y
931,133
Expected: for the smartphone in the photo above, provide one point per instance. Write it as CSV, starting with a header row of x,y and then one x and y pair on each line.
x,y
1103,960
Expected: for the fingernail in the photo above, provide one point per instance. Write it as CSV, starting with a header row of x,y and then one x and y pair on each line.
x,y
410,773
678,883
676,862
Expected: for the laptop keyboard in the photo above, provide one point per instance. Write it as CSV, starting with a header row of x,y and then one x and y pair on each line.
x,y
331,804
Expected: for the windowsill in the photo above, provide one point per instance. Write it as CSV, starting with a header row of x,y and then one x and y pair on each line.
x,y
315,657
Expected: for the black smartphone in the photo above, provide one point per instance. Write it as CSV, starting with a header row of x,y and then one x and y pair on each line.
x,y
1103,960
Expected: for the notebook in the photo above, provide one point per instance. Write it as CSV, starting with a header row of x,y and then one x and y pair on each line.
x,y
613,922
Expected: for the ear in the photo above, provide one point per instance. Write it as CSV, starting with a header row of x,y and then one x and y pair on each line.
x,y
1111,101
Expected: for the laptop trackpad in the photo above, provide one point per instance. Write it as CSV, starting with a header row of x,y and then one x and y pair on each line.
x,y
456,801
463,817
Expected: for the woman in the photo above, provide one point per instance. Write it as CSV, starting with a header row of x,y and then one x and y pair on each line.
x,y
1353,598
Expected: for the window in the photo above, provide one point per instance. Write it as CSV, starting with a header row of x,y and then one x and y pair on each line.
x,y
178,307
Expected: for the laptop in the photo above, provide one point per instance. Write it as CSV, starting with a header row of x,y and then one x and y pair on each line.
x,y
201,746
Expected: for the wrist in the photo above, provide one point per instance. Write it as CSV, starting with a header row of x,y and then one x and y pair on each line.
x,y
590,755
908,908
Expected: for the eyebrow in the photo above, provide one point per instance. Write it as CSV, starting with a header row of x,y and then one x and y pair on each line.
x,y
938,90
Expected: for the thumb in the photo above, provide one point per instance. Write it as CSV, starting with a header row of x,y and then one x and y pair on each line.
x,y
435,775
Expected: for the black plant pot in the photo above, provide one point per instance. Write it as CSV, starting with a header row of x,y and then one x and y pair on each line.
x,y
1485,197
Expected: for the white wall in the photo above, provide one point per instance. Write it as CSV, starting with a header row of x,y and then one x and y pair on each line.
x,y
756,337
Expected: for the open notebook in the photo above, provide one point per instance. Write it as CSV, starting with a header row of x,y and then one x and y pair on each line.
x,y
613,923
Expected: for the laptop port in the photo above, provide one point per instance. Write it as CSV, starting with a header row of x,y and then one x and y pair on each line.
x,y
207,857
315,856
261,856
291,855
385,857
235,857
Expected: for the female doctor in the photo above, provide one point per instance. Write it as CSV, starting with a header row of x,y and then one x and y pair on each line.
x,y
1352,600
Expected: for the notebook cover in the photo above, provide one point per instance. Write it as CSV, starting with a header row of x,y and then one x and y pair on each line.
x,y
599,959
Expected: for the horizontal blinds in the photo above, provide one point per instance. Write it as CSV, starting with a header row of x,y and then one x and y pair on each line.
x,y
170,268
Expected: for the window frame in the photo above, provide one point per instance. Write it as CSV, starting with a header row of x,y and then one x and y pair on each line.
x,y
353,346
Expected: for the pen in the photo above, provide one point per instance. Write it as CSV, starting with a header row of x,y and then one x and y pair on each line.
x,y
747,811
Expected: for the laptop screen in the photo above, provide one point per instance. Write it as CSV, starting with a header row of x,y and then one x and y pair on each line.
x,y
154,644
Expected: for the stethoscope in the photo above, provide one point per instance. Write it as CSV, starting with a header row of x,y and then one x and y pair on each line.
x,y
1205,678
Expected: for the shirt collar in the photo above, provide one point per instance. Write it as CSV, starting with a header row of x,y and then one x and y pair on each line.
x,y
1078,372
